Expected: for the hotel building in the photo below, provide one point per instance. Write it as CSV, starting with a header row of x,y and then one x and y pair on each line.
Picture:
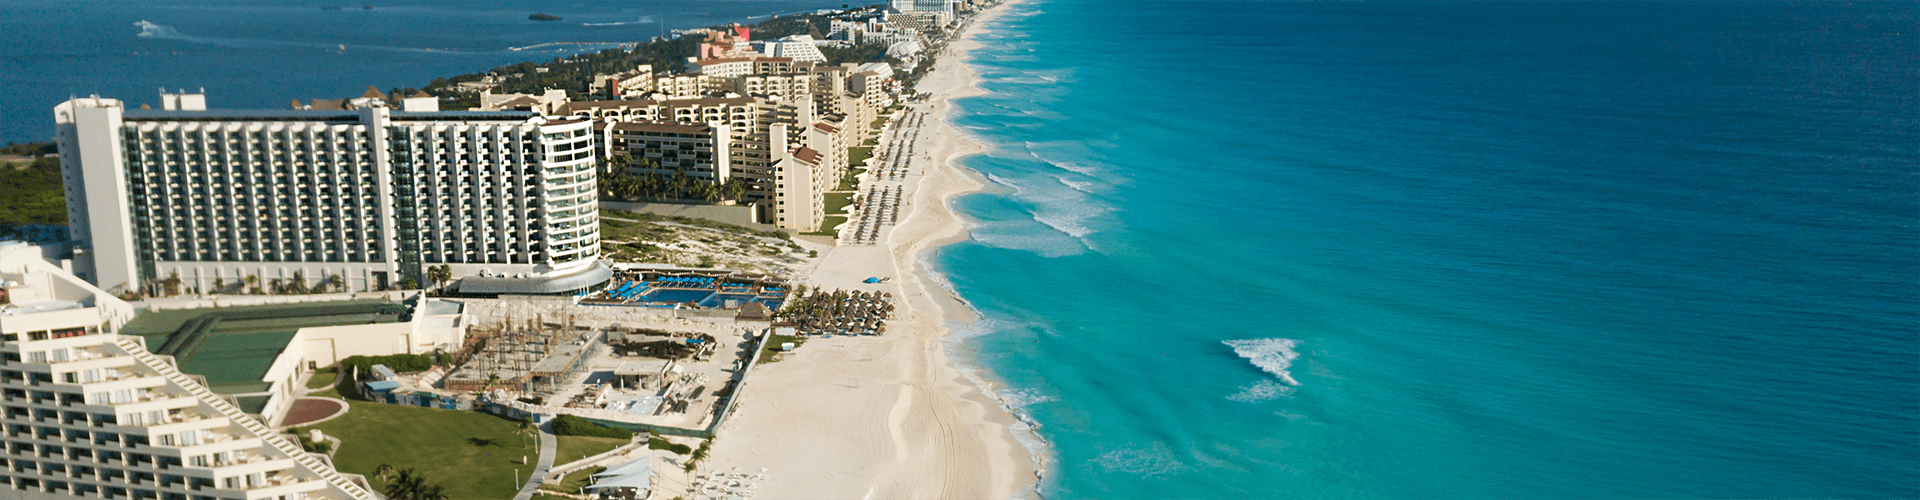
x,y
88,413
374,196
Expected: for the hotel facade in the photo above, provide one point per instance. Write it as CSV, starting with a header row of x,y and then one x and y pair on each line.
x,y
367,198
89,413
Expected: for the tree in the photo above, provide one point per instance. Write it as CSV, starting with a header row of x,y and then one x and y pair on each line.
x,y
299,283
410,284
337,283
172,283
440,274
526,430
253,284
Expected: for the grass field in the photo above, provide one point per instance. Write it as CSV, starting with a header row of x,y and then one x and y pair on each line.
x,y
473,455
323,378
836,203
577,447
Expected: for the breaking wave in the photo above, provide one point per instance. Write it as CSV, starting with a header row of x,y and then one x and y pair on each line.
x,y
1274,356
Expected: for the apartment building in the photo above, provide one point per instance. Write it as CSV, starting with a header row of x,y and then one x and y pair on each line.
x,y
785,86
372,196
91,414
728,67
699,149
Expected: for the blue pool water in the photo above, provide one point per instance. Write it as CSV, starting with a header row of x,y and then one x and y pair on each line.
x,y
1467,250
677,296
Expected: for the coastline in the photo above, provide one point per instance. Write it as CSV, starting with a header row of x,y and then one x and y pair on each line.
x,y
891,416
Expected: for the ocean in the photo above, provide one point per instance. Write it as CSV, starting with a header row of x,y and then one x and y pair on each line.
x,y
264,54
1527,249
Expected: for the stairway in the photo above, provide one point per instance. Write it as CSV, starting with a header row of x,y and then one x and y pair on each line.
x,y
234,414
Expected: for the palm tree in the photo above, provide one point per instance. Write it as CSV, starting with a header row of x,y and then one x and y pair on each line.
x,y
253,283
440,274
526,430
219,285
336,282
299,284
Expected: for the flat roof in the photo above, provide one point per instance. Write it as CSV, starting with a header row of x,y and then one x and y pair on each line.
x,y
313,115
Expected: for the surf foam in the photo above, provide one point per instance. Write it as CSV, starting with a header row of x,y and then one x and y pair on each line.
x,y
1274,356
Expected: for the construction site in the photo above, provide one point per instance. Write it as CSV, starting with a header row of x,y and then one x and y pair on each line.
x,y
607,363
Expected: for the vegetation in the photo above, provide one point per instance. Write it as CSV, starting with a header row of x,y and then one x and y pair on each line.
x,y
30,149
660,443
399,363
573,448
617,183
771,351
826,227
323,378
836,203
34,193
569,425
407,484
699,454
470,453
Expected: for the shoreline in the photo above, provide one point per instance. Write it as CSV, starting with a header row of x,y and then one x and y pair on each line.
x,y
893,416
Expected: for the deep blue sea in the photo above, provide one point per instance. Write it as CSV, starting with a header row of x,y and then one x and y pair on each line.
x,y
1527,249
263,53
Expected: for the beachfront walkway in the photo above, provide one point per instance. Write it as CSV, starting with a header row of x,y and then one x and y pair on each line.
x,y
549,448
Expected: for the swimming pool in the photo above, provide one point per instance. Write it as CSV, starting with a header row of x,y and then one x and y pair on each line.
x,y
676,296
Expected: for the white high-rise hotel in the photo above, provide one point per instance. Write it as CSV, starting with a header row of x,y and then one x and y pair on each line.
x,y
88,413
238,198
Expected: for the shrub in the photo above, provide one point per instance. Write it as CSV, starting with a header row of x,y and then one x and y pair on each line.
x,y
657,443
399,363
569,425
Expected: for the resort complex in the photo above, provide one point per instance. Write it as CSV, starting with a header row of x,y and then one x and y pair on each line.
x,y
246,302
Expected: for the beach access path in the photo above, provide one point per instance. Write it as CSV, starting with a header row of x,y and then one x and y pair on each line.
x,y
888,416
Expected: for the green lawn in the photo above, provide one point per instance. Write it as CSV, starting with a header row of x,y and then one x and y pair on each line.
x,y
577,447
573,482
836,203
826,227
857,157
472,454
323,378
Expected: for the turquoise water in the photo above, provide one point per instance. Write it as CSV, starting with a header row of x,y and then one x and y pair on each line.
x,y
263,54
1452,250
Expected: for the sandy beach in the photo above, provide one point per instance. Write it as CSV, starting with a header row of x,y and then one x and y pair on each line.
x,y
886,417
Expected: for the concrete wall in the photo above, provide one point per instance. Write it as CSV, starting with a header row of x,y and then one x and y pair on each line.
x,y
739,215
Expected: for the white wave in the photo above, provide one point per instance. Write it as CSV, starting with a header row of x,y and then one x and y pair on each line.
x,y
1265,390
151,30
1067,211
1274,356
1153,461
641,20
1049,246
163,32
1033,149
1081,186
1022,398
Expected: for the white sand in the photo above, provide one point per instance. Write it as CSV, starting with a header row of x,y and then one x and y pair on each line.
x,y
885,417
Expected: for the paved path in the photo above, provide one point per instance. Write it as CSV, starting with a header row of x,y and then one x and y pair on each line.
x,y
549,448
